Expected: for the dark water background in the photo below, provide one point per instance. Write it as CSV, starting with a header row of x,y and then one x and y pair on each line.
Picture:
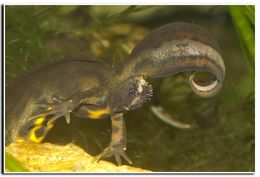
x,y
222,133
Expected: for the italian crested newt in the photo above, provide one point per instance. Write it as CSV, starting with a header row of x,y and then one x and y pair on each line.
x,y
93,90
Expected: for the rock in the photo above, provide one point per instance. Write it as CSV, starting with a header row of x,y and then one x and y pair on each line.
x,y
46,157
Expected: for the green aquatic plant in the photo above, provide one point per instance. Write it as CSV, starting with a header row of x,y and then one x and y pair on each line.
x,y
13,165
243,18
36,35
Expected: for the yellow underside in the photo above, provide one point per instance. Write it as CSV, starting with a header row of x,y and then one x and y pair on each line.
x,y
37,125
98,113
94,114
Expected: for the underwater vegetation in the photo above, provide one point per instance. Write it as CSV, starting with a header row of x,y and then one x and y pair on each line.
x,y
221,137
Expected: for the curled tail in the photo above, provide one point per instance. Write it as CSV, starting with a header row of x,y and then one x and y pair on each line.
x,y
178,47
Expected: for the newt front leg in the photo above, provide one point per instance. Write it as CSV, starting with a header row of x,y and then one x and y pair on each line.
x,y
118,141
63,108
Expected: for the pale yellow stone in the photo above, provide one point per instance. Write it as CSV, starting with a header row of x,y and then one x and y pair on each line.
x,y
46,157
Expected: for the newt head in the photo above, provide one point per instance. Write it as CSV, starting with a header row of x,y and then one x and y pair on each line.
x,y
130,94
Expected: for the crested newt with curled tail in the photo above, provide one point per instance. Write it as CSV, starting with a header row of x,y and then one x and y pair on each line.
x,y
93,90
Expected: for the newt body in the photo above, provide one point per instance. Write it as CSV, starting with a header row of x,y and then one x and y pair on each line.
x,y
42,85
93,90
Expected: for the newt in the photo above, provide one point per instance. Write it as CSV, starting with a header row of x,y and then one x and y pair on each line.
x,y
94,90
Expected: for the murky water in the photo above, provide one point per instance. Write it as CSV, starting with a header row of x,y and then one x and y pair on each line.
x,y
222,133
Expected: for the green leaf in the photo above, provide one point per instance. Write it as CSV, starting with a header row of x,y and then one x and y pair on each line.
x,y
13,165
243,19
